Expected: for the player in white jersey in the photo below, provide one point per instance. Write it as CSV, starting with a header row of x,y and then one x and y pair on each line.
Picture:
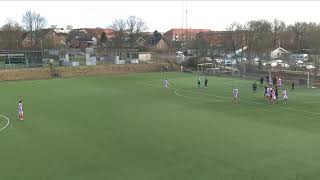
x,y
269,89
270,81
166,83
269,94
235,93
285,96
274,97
20,110
279,82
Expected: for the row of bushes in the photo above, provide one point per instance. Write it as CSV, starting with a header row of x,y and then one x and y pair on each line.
x,y
46,73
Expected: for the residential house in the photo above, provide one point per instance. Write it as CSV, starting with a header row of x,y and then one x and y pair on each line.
x,y
301,56
83,42
179,35
85,37
149,41
278,53
96,32
141,41
80,38
217,38
48,38
62,30
159,44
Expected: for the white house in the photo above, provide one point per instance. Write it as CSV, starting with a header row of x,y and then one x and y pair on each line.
x,y
239,51
277,53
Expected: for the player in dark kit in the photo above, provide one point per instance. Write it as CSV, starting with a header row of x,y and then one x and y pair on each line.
x,y
276,92
206,82
254,87
292,86
274,81
261,81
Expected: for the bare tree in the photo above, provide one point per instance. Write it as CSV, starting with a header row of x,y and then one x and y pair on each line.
x,y
12,32
119,27
237,42
261,40
28,21
278,29
127,30
135,26
299,29
34,23
200,45
312,40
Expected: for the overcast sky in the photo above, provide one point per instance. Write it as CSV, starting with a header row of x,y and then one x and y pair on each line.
x,y
162,15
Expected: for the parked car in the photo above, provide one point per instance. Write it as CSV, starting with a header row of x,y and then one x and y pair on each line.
x,y
229,62
284,65
208,59
310,66
218,60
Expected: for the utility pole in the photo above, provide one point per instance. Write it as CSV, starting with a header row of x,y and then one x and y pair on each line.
x,y
10,37
308,82
186,29
41,50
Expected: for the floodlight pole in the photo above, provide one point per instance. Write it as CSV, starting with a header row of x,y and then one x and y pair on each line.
x,y
198,68
308,83
41,49
9,58
232,70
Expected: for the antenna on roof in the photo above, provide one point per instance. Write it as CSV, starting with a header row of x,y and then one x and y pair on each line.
x,y
182,13
279,43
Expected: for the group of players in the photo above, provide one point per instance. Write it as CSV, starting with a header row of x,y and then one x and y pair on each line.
x,y
271,94
271,90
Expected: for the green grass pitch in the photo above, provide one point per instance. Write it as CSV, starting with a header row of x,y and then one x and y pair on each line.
x,y
127,127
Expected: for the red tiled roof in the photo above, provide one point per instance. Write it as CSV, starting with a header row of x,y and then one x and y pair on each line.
x,y
183,31
217,37
97,32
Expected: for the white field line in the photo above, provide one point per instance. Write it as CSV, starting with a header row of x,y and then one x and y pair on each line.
x,y
188,97
176,92
8,122
242,100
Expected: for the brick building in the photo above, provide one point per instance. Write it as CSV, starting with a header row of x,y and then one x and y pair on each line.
x,y
48,37
180,34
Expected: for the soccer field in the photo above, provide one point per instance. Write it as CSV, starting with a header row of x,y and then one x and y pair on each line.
x,y
128,127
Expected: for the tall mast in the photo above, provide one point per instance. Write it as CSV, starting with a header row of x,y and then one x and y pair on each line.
x,y
186,27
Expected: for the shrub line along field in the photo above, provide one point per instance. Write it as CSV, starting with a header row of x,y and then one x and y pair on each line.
x,y
129,127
